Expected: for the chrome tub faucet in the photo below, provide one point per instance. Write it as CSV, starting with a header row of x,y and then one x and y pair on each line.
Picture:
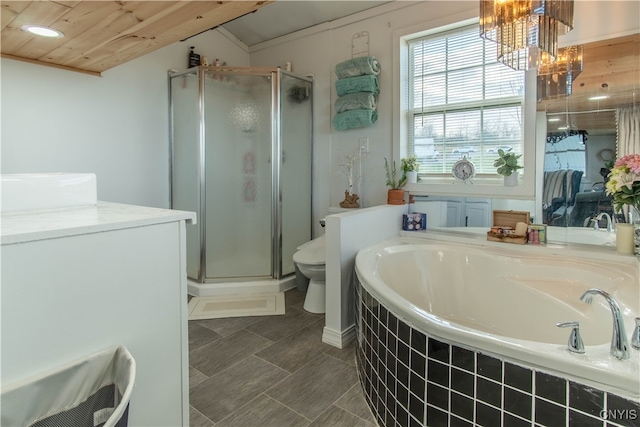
x,y
601,215
635,337
575,344
619,341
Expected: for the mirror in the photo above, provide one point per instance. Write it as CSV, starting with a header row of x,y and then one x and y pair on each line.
x,y
581,132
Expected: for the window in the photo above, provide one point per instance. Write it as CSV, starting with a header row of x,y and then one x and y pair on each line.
x,y
566,152
461,102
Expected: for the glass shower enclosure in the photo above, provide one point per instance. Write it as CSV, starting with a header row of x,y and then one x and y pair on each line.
x,y
241,158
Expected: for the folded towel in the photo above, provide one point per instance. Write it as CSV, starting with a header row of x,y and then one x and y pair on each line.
x,y
354,119
356,101
357,84
358,67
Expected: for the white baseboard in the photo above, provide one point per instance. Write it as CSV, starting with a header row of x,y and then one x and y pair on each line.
x,y
339,339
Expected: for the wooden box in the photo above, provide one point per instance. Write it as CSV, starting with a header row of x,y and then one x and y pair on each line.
x,y
509,219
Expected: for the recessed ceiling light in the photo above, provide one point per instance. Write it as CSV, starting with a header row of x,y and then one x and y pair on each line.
x,y
42,31
563,127
555,119
598,98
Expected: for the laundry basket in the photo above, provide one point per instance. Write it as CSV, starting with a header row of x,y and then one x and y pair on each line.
x,y
91,392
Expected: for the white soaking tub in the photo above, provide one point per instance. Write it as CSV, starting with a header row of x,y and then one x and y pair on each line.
x,y
502,300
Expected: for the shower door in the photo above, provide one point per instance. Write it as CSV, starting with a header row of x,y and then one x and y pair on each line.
x,y
238,152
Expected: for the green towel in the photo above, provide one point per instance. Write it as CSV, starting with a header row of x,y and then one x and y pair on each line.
x,y
358,67
354,119
357,84
356,101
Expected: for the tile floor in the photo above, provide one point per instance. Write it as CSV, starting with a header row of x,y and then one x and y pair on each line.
x,y
272,371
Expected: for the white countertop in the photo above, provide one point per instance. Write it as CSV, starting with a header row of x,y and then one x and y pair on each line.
x,y
26,226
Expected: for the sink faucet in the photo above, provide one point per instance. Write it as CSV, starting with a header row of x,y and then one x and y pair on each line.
x,y
599,217
619,342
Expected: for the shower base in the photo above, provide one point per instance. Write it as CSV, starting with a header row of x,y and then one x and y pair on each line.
x,y
240,288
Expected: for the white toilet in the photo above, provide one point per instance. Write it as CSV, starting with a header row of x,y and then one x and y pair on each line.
x,y
310,259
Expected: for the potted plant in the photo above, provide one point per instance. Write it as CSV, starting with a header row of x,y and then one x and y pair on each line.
x,y
507,164
410,167
395,195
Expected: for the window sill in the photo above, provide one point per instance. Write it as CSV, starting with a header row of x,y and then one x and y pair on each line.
x,y
478,187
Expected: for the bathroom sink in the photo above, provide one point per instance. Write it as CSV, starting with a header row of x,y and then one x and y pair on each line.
x,y
33,191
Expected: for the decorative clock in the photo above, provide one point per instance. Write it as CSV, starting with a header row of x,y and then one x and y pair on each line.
x,y
464,170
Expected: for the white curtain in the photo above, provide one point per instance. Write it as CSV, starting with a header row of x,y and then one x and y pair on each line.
x,y
628,123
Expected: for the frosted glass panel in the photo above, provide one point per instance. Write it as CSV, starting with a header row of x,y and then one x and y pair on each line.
x,y
297,133
226,153
238,176
185,179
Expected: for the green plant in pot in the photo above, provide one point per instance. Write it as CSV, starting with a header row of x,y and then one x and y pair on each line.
x,y
507,166
395,195
410,167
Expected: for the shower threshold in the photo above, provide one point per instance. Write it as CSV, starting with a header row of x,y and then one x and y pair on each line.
x,y
240,288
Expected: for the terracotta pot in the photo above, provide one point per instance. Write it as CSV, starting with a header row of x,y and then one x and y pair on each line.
x,y
395,197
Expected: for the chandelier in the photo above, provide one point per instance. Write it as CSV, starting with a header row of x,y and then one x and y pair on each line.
x,y
523,29
556,75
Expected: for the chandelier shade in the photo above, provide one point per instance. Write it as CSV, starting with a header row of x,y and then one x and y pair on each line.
x,y
556,75
523,29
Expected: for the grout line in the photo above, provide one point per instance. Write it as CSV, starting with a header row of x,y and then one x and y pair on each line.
x,y
237,411
257,335
257,318
357,384
338,359
292,410
192,408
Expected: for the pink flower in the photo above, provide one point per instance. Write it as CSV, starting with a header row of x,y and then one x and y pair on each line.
x,y
631,161
624,182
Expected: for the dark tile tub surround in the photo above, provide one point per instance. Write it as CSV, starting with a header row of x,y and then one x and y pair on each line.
x,y
412,379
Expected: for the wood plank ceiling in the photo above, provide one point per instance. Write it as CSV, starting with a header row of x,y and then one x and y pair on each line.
x,y
611,68
99,35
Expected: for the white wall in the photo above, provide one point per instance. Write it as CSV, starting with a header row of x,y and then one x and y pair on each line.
x,y
317,50
347,233
595,144
116,126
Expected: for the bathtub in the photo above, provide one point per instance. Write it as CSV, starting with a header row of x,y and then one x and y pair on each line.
x,y
487,312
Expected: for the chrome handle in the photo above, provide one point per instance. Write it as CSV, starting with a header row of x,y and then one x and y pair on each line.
x,y
635,338
575,344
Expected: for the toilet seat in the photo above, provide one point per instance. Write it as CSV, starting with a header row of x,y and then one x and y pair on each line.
x,y
311,253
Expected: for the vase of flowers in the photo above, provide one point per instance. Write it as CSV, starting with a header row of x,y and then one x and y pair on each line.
x,y
623,186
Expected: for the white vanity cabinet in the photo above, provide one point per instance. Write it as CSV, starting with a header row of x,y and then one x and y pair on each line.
x,y
79,280
466,211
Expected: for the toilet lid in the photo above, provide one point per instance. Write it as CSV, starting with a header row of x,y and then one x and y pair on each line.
x,y
312,253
